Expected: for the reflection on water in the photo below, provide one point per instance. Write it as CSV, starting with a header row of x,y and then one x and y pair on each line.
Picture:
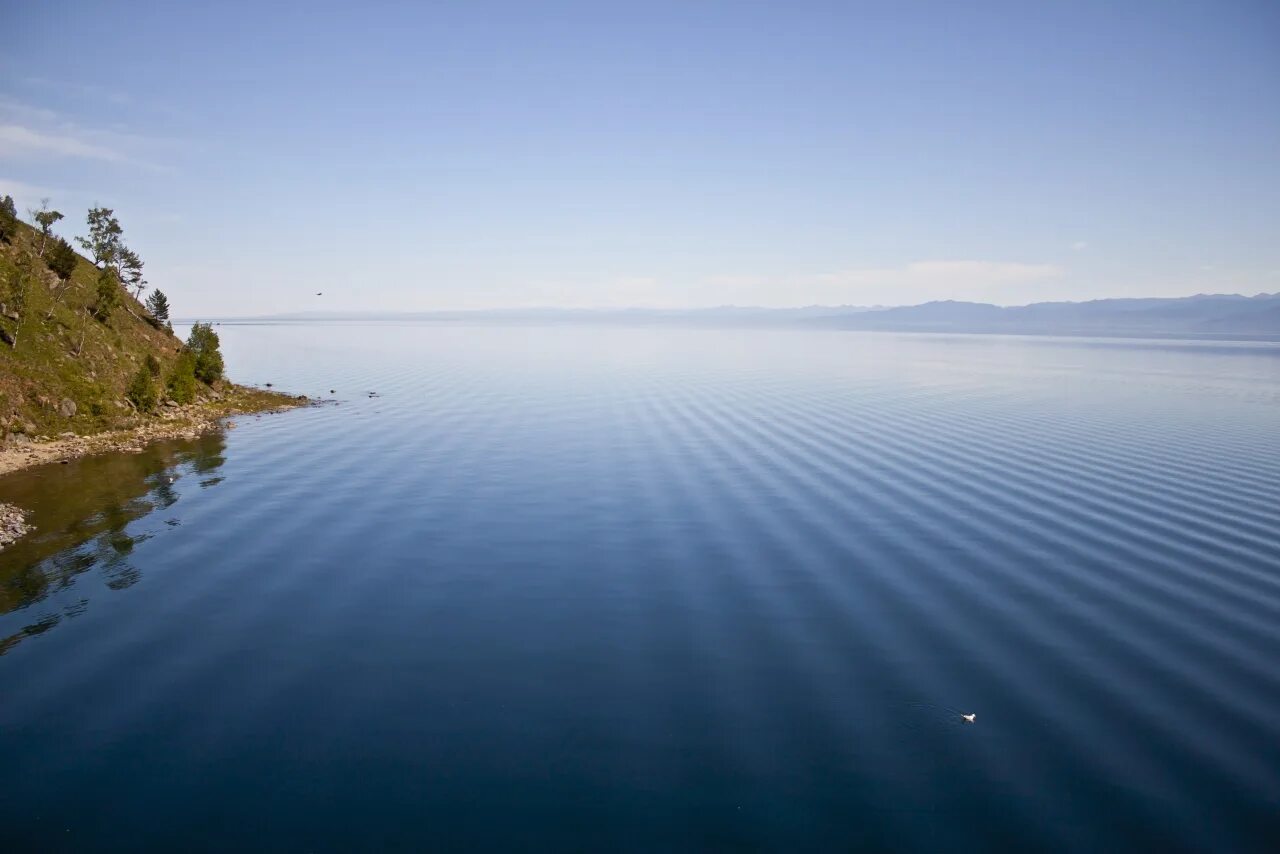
x,y
82,511
663,590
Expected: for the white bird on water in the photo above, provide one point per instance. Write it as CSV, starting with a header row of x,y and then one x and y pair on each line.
x,y
969,718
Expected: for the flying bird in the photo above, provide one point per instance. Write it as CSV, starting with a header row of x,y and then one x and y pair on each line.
x,y
969,718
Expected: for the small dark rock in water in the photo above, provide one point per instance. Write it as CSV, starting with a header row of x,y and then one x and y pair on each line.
x,y
268,385
331,391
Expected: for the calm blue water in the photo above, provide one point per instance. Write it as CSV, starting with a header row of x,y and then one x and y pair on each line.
x,y
654,590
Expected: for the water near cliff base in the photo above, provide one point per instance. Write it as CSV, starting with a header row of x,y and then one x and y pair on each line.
x,y
660,589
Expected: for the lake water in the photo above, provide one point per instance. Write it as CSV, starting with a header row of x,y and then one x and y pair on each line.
x,y
596,589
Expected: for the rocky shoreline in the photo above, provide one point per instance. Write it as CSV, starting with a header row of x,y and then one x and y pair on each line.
x,y
13,524
171,422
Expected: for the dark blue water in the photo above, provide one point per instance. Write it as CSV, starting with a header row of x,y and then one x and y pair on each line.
x,y
663,590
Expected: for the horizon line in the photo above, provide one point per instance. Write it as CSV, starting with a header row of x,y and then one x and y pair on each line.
x,y
850,307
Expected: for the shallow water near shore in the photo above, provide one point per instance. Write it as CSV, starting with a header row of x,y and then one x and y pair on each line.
x,y
656,589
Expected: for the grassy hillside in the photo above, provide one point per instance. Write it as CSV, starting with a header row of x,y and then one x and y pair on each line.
x,y
69,370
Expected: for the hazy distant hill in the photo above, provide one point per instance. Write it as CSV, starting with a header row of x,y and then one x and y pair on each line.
x,y
1222,315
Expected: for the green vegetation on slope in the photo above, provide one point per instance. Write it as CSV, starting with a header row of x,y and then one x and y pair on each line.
x,y
78,351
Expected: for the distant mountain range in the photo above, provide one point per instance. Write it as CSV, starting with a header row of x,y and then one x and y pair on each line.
x,y
1204,315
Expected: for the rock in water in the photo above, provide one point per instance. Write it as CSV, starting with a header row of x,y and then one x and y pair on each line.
x,y
13,524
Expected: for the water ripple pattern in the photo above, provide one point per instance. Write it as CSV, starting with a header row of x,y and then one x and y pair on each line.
x,y
656,589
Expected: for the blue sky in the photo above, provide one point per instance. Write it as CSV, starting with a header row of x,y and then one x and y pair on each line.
x,y
484,154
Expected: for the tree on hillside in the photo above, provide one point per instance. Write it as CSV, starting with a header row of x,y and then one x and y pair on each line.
x,y
203,343
45,218
16,297
108,294
158,305
61,259
142,390
131,271
181,384
106,237
8,218
84,327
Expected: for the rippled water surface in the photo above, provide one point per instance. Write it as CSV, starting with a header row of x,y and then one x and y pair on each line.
x,y
663,589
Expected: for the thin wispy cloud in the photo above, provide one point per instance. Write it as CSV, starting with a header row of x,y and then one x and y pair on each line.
x,y
95,95
17,141
533,182
26,194
38,134
85,90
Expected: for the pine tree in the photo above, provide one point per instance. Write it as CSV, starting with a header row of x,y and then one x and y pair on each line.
x,y
8,218
158,305
61,258
142,391
108,294
182,381
131,271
